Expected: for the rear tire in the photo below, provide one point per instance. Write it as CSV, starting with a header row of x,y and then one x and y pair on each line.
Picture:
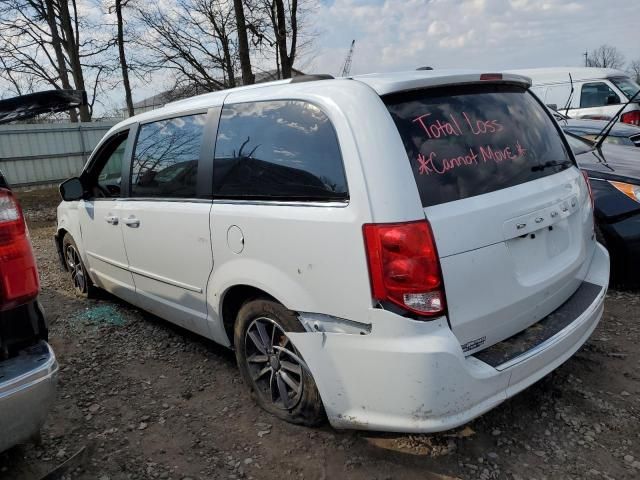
x,y
82,284
272,367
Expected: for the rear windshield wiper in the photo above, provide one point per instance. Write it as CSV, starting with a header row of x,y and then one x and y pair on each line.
x,y
539,168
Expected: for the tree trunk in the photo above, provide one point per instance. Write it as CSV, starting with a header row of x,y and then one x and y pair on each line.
x,y
72,49
287,56
281,39
228,62
56,42
220,28
123,60
243,44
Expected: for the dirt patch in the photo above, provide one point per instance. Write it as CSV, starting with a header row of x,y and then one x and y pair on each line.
x,y
39,205
150,400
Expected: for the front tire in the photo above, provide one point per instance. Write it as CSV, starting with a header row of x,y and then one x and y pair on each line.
x,y
272,367
82,285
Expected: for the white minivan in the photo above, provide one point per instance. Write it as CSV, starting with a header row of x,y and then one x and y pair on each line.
x,y
584,92
395,252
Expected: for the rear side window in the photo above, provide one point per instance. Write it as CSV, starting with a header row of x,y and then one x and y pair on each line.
x,y
558,95
471,140
598,94
165,161
286,150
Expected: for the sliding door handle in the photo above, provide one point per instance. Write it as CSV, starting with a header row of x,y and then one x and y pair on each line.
x,y
132,222
112,219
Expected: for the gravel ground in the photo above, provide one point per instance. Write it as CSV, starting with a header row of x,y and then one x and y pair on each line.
x,y
140,398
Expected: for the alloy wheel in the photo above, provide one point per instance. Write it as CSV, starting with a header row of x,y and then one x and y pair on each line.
x,y
75,268
275,366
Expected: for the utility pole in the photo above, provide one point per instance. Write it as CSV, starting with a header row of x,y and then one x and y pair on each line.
x,y
347,62
586,58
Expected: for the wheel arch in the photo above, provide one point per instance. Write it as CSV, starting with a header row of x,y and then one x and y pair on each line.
x,y
240,279
232,301
58,239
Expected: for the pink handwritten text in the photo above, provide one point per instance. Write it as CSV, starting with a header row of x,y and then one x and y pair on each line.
x,y
438,128
432,164
435,129
478,127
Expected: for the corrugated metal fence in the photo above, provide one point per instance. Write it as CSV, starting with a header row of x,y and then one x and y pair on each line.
x,y
32,154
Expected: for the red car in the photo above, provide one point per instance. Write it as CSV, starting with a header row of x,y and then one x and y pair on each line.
x,y
28,366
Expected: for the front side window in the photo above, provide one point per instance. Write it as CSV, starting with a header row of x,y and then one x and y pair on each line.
x,y
286,150
107,181
165,160
597,94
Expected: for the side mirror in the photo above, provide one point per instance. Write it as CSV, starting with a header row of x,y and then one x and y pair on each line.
x,y
71,190
613,100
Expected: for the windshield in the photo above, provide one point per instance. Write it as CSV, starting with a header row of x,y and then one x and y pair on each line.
x,y
628,86
579,145
470,140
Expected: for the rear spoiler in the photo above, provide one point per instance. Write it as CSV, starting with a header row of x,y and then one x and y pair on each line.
x,y
33,104
426,79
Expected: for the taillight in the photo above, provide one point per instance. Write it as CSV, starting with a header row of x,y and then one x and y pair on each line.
x,y
18,274
585,175
404,266
491,77
631,117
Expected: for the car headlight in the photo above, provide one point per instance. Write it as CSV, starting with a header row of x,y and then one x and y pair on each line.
x,y
631,191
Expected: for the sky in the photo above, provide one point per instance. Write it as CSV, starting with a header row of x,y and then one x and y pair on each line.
x,y
393,35
486,35
479,34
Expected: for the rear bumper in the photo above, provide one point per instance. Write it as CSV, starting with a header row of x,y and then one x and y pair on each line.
x,y
412,376
27,391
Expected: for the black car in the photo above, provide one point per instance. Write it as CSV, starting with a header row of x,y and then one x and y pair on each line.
x,y
614,173
620,134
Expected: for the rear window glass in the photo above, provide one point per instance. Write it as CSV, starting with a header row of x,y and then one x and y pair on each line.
x,y
472,140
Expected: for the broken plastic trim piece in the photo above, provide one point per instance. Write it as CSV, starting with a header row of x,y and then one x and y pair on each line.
x,y
319,322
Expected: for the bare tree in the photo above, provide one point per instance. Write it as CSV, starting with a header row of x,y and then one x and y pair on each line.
x,y
41,44
605,56
194,40
279,31
634,70
124,67
286,29
20,84
243,43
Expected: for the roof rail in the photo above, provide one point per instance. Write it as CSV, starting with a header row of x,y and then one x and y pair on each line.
x,y
311,78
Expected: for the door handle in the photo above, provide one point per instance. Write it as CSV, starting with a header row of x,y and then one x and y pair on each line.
x,y
132,222
112,219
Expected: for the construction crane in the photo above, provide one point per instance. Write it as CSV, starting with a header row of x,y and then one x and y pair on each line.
x,y
347,61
